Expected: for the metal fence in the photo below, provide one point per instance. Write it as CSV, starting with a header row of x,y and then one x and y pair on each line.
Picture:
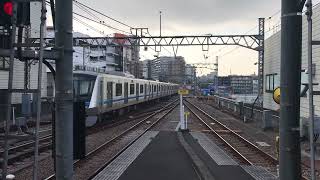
x,y
262,117
16,112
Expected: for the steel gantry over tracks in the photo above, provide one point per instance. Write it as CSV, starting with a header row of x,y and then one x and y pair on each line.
x,y
142,38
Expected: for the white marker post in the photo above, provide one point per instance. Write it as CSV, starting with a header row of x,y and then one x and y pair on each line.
x,y
182,122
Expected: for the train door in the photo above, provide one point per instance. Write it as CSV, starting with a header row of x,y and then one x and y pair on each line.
x,y
158,90
109,94
126,93
149,91
100,101
152,90
137,91
145,91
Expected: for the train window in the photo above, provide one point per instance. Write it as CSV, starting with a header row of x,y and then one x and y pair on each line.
x,y
131,88
150,88
141,88
75,87
118,89
154,88
84,88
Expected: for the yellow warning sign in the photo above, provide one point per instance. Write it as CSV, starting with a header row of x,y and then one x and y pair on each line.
x,y
183,91
276,95
187,113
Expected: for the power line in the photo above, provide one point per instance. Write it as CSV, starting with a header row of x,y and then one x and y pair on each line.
x,y
98,22
103,14
87,11
85,24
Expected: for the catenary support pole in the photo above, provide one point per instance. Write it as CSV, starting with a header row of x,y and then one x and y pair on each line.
x,y
64,90
291,29
160,23
310,74
36,133
9,99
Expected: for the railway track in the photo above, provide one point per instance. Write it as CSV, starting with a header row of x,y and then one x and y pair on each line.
x,y
247,152
24,150
145,124
244,150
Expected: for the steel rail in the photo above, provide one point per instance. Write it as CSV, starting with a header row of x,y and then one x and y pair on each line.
x,y
220,137
97,150
127,146
29,143
273,160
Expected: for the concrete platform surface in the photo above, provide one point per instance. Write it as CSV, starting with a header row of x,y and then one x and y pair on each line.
x,y
165,157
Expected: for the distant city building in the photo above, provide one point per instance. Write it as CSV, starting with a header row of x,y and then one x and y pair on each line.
x,y
120,58
236,84
255,86
223,81
166,69
241,84
190,74
155,69
172,69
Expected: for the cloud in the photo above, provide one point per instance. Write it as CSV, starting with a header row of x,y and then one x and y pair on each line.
x,y
183,17
145,13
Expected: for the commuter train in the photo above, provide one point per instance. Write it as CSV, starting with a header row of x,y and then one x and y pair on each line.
x,y
104,93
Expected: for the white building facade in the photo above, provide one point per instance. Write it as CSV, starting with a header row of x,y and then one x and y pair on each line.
x,y
272,67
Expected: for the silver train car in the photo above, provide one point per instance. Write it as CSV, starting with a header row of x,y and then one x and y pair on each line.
x,y
104,93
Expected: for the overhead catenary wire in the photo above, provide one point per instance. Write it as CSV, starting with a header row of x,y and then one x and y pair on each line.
x,y
103,24
255,27
90,19
111,18
87,25
86,11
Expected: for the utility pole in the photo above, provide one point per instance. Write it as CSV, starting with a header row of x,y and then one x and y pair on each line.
x,y
36,133
291,29
311,106
64,90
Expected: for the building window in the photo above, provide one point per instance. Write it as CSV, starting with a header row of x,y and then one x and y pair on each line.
x,y
131,88
271,82
4,65
118,89
141,88
94,58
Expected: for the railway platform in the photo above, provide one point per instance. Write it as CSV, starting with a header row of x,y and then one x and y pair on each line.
x,y
159,155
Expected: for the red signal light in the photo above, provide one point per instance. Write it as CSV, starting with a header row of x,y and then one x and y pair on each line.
x,y
8,8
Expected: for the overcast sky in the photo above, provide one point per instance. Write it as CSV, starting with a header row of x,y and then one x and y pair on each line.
x,y
185,17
